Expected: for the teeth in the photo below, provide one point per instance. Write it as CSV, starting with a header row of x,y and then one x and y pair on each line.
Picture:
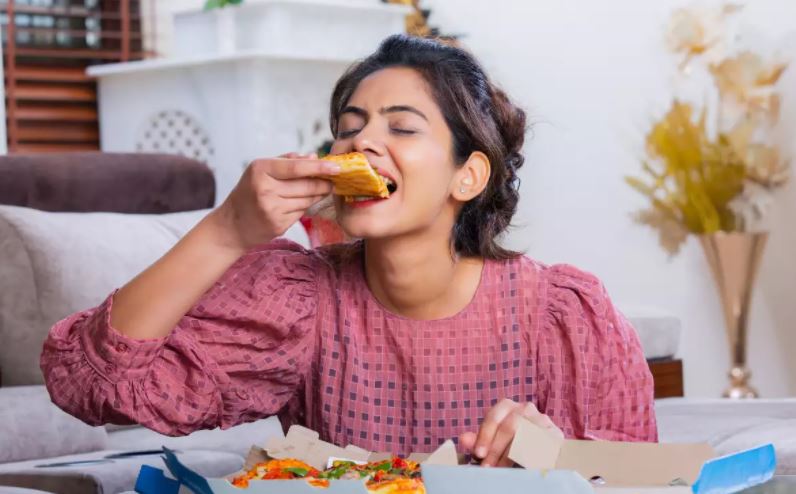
x,y
387,180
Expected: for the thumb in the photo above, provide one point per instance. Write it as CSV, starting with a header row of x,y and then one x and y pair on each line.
x,y
467,441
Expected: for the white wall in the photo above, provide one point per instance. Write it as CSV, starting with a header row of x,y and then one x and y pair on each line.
x,y
593,75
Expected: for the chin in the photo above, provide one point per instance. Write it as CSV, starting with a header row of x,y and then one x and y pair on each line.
x,y
366,228
371,219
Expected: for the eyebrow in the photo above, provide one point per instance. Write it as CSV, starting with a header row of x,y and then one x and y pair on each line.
x,y
390,109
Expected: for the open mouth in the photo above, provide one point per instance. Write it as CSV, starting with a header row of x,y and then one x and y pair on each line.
x,y
391,186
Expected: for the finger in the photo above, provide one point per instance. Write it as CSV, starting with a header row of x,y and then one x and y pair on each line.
x,y
489,427
301,204
502,440
301,168
467,441
504,460
304,187
294,155
501,444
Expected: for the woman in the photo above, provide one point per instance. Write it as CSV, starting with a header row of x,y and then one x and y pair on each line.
x,y
424,330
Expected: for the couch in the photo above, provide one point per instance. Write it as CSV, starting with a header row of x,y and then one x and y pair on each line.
x,y
72,228
55,263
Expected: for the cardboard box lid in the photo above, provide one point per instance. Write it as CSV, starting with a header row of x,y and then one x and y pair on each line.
x,y
552,465
640,464
305,444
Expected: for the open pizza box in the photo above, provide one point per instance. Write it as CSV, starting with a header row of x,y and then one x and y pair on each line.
x,y
643,468
551,465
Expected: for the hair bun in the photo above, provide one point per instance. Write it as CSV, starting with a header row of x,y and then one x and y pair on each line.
x,y
510,120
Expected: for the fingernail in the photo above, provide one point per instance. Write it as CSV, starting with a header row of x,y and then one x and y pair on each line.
x,y
485,465
331,168
480,451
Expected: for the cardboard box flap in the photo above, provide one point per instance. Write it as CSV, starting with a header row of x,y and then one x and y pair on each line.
x,y
256,455
355,450
185,475
636,464
444,455
304,444
733,473
534,447
379,456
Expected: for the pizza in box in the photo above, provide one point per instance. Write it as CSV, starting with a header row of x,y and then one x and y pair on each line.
x,y
392,476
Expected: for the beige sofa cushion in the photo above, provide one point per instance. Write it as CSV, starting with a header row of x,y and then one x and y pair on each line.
x,y
32,427
55,264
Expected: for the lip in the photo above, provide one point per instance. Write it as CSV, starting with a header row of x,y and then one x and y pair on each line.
x,y
384,173
364,204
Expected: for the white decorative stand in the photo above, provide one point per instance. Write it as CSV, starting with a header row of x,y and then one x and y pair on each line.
x,y
247,82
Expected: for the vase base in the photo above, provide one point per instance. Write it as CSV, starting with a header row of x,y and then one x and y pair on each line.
x,y
739,385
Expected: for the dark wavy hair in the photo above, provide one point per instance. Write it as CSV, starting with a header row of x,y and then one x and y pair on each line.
x,y
481,118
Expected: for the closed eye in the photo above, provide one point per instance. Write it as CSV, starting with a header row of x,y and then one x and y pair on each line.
x,y
344,134
403,131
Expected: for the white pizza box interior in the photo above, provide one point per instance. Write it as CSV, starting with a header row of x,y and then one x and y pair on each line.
x,y
550,465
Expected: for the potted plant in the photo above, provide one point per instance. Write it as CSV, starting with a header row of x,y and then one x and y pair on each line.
x,y
711,167
217,4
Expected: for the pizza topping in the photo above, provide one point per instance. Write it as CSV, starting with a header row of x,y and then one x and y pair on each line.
x,y
386,476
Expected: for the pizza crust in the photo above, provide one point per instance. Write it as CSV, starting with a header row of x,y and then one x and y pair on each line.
x,y
356,177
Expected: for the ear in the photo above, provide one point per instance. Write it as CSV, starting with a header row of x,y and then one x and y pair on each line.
x,y
471,178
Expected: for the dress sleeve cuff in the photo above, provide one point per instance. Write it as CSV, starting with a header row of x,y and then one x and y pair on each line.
x,y
115,356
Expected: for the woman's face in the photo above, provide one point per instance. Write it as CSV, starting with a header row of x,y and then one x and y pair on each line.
x,y
394,121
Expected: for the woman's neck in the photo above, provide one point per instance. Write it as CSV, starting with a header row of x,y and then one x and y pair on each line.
x,y
420,278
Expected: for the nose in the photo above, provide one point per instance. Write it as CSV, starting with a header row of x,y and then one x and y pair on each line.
x,y
368,142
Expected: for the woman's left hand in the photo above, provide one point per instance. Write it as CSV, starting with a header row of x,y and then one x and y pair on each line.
x,y
491,444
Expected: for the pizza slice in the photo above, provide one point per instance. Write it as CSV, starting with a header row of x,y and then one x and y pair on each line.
x,y
287,469
357,177
393,476
397,486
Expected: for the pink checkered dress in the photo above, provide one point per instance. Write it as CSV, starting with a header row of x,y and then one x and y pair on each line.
x,y
298,333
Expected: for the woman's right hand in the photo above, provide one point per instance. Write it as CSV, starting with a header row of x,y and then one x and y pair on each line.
x,y
271,196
